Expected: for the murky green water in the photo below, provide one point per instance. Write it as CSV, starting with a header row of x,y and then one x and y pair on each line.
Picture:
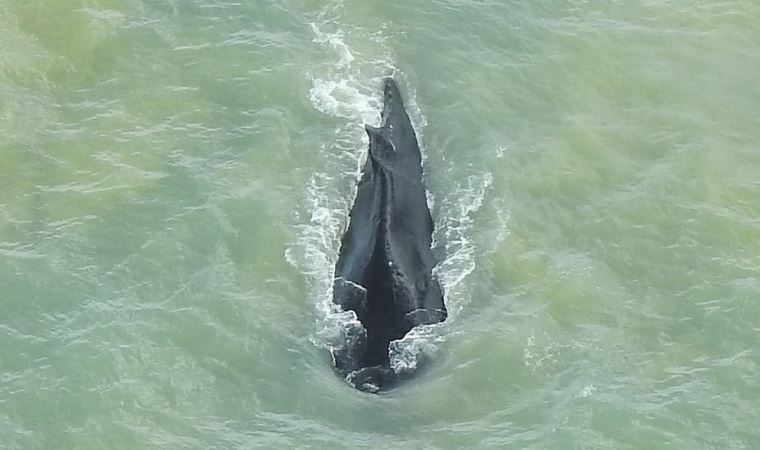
x,y
175,177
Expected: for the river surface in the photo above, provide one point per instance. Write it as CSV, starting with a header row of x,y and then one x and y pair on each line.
x,y
175,177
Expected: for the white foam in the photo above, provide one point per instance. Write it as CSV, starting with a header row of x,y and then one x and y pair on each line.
x,y
334,40
349,87
344,98
454,231
418,345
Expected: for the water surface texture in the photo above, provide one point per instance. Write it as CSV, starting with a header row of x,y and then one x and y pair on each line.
x,y
175,177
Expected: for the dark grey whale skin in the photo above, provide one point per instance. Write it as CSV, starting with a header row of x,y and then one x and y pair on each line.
x,y
384,270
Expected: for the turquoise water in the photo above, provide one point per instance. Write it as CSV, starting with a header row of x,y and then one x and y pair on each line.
x,y
175,177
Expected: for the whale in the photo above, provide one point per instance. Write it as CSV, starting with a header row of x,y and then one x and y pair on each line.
x,y
384,272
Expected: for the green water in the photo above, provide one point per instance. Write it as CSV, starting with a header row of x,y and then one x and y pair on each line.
x,y
175,177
